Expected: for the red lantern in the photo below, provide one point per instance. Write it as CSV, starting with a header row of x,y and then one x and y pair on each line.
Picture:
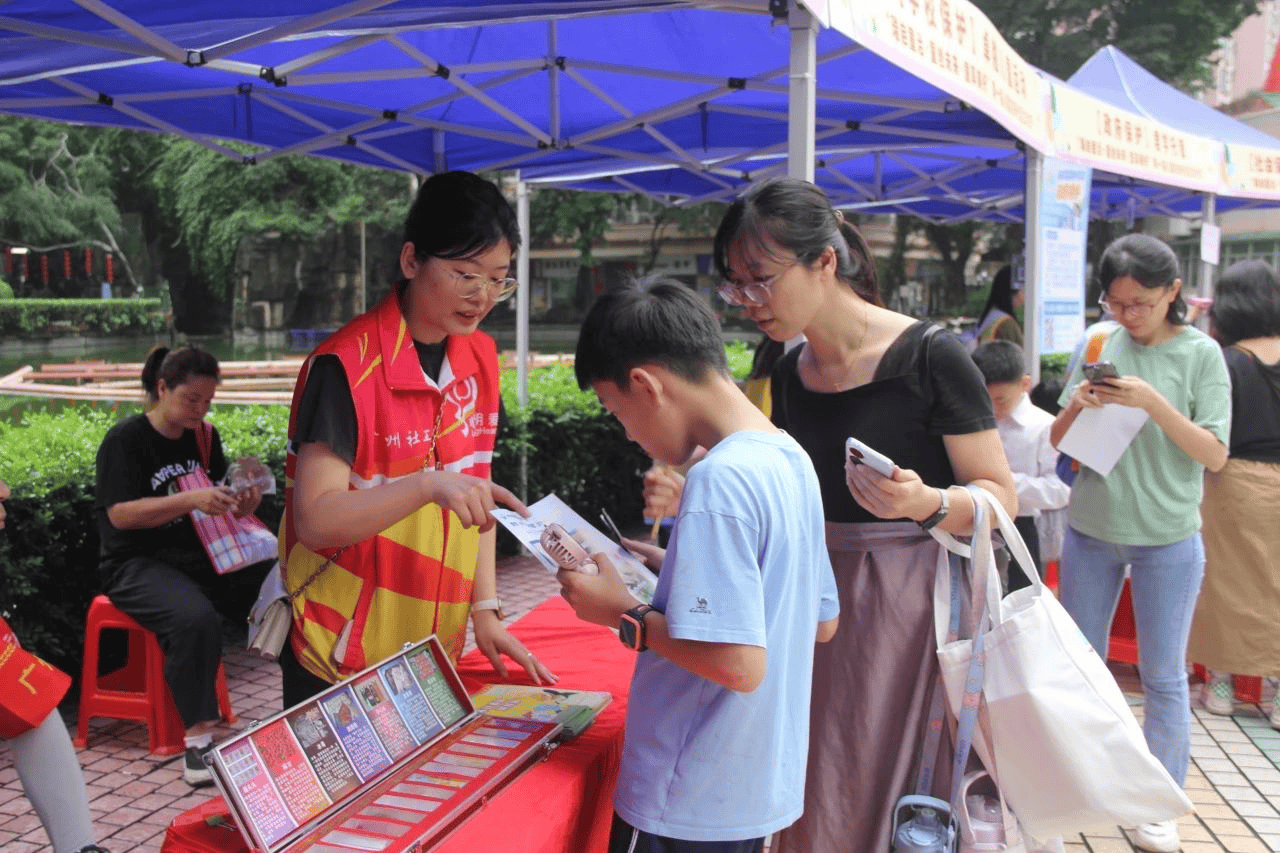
x,y
88,262
66,264
111,272
44,269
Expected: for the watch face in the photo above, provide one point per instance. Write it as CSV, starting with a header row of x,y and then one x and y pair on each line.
x,y
627,632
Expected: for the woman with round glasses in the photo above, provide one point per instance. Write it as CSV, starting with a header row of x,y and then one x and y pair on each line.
x,y
387,535
1146,512
909,390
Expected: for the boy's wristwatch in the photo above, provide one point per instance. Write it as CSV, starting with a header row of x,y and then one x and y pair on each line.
x,y
632,631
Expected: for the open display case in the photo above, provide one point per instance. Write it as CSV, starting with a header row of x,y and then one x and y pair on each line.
x,y
390,760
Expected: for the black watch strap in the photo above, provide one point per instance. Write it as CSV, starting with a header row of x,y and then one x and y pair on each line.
x,y
632,630
933,520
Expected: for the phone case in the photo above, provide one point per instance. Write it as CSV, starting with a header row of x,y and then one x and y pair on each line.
x,y
861,454
565,550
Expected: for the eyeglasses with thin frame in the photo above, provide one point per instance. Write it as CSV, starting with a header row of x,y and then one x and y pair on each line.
x,y
753,292
468,284
1139,310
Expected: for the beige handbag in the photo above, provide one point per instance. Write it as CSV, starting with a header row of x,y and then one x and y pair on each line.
x,y
271,617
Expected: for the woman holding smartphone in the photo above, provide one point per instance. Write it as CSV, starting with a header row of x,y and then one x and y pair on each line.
x,y
1146,512
909,391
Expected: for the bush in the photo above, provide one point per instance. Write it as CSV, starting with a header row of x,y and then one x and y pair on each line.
x,y
6,292
40,318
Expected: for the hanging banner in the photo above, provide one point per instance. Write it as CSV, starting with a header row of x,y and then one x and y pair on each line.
x,y
1064,231
66,264
1089,131
954,46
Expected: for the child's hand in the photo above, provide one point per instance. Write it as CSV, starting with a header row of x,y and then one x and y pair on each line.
x,y
650,554
600,598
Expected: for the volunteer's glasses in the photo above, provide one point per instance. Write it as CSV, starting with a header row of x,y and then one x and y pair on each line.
x,y
753,292
468,284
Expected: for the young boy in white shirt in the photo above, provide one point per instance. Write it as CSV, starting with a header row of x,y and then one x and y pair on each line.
x,y
1024,432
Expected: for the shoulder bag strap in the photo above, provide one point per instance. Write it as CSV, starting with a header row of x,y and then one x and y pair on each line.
x,y
204,442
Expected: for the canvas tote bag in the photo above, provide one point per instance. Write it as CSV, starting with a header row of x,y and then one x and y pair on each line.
x,y
1057,735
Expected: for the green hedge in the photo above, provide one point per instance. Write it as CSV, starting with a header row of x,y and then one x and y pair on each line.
x,y
38,318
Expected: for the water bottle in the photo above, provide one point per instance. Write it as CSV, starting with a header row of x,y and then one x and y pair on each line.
x,y
927,829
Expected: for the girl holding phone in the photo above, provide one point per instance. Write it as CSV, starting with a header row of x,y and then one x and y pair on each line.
x,y
1146,512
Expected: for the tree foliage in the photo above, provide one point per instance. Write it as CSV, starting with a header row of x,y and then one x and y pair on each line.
x,y
55,187
1172,39
216,201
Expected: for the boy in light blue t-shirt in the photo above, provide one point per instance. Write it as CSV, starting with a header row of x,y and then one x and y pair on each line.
x,y
717,720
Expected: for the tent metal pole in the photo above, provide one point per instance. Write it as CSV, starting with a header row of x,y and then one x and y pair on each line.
x,y
1034,177
522,292
1209,213
522,319
801,95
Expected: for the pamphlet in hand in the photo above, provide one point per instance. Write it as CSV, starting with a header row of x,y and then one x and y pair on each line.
x,y
635,574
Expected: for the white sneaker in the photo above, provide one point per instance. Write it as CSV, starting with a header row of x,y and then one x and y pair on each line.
x,y
1161,837
1219,694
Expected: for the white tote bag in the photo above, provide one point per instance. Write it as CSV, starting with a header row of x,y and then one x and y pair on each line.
x,y
1060,740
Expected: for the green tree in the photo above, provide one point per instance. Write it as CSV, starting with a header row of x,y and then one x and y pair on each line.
x,y
579,218
1172,39
56,190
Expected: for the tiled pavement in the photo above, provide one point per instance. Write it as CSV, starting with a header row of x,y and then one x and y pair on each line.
x,y
1234,779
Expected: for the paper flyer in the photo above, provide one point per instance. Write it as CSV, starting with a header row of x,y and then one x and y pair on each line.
x,y
635,574
386,720
409,698
289,769
436,687
322,749
355,733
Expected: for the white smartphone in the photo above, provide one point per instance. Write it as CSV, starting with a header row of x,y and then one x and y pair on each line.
x,y
565,550
861,454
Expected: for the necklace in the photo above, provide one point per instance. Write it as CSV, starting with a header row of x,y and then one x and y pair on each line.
x,y
845,375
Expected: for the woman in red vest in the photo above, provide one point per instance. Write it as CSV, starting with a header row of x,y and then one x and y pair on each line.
x,y
387,535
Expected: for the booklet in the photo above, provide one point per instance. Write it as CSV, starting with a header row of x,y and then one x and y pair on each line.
x,y
635,574
573,709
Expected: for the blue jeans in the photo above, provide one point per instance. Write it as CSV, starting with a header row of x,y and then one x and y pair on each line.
x,y
1164,581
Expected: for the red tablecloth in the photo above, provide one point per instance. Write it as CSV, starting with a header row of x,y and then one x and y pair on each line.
x,y
563,803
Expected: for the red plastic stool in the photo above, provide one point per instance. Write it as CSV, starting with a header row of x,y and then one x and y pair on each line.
x,y
1123,644
136,691
1248,687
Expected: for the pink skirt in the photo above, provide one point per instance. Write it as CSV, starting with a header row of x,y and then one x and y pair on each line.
x,y
871,691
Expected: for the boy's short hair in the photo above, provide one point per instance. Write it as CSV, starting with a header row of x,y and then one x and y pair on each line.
x,y
650,321
1000,362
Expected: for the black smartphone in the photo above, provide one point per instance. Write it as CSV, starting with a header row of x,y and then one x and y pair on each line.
x,y
1100,371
